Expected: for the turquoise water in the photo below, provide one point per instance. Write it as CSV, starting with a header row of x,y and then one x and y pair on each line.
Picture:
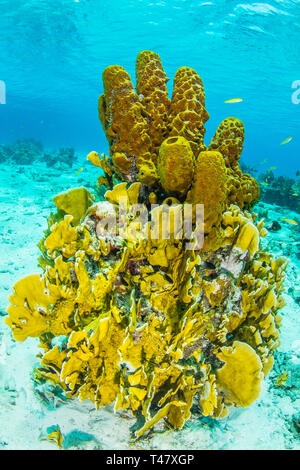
x,y
53,54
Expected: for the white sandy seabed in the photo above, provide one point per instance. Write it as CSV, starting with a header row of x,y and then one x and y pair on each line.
x,y
272,422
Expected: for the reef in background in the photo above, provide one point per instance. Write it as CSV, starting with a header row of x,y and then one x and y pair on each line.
x,y
141,322
281,190
28,151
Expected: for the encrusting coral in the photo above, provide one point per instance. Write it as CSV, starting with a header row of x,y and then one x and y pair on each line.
x,y
137,318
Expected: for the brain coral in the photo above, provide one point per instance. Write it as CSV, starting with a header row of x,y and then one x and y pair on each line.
x,y
138,319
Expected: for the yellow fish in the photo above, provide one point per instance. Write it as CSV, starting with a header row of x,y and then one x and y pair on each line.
x,y
234,100
80,169
281,379
265,183
272,168
286,141
290,221
295,194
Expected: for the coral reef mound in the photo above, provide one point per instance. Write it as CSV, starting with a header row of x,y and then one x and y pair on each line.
x,y
142,316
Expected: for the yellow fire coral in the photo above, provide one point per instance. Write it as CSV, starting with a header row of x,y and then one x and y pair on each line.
x,y
74,202
146,319
240,377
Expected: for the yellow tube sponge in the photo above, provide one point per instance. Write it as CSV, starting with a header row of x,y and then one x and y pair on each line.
x,y
176,165
152,90
187,112
240,377
209,187
228,140
122,116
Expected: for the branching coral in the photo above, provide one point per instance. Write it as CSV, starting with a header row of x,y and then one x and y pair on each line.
x,y
147,322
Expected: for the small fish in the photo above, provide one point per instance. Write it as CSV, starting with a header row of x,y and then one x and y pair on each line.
x,y
286,141
264,161
234,100
272,168
295,194
78,171
265,183
290,221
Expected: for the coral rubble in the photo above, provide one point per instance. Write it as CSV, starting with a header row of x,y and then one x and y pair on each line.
x,y
140,320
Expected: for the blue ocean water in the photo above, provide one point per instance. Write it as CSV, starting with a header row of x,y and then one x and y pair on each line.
x,y
53,54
